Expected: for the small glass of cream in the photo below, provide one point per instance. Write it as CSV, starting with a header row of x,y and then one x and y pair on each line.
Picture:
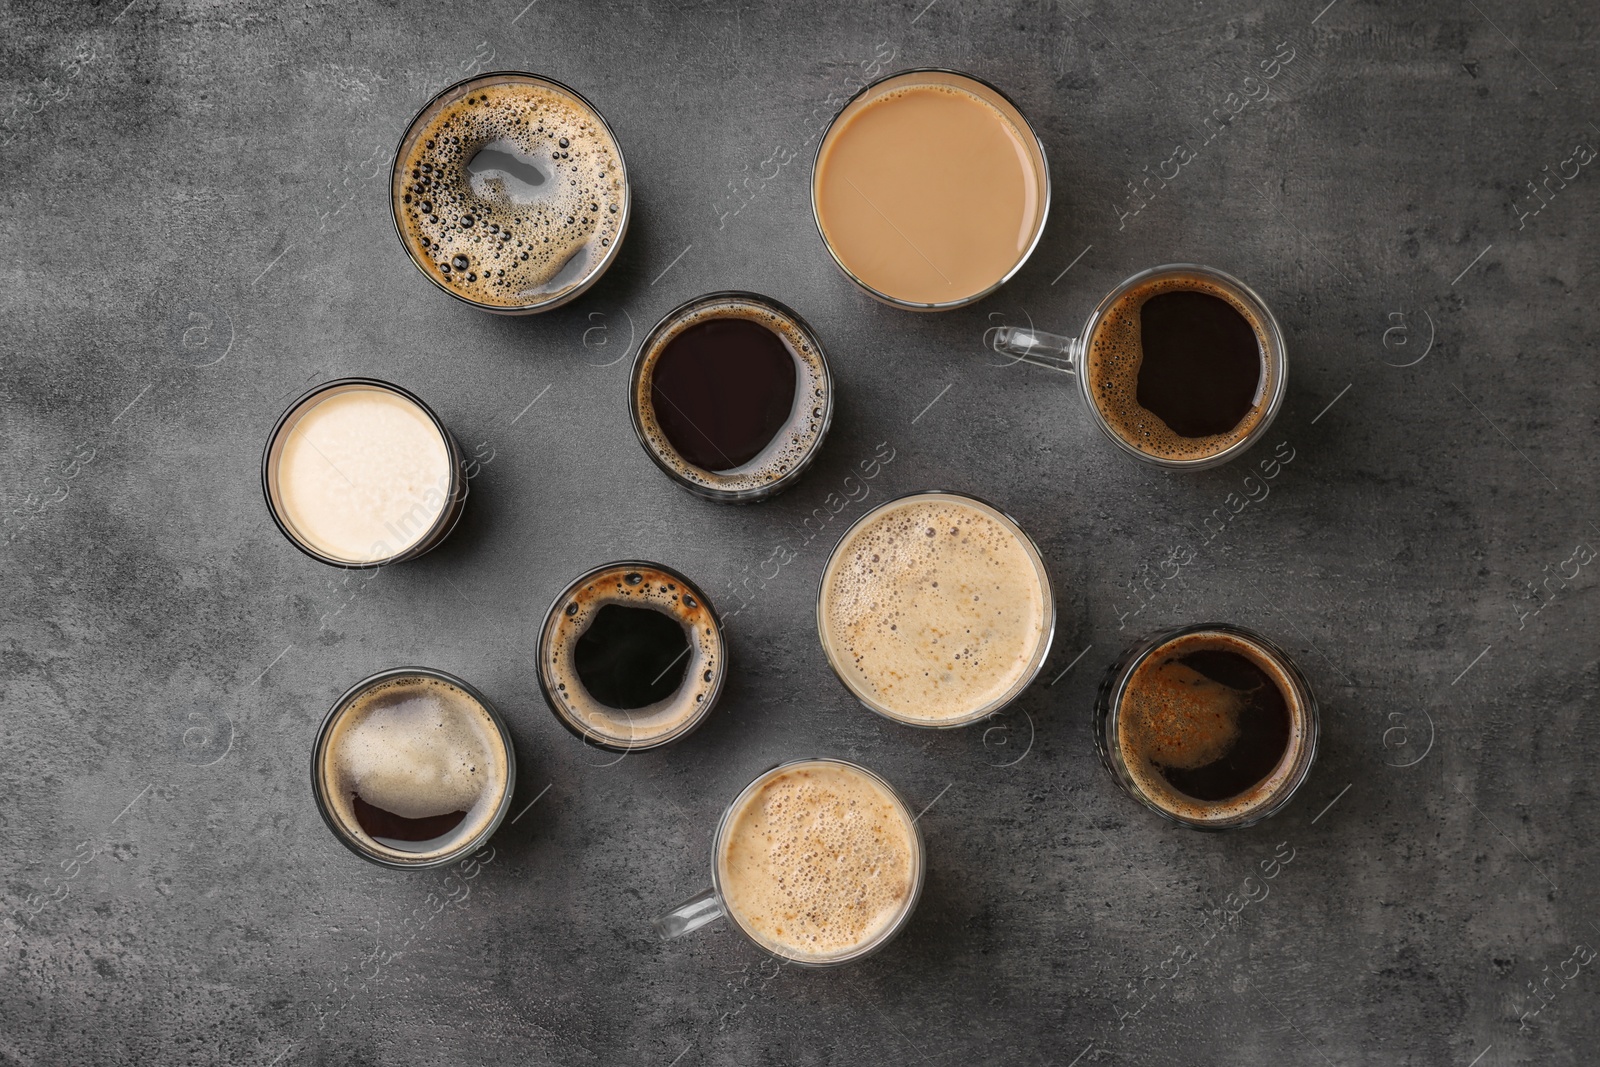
x,y
361,473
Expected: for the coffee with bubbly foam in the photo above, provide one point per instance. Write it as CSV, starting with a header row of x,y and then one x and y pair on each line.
x,y
1112,362
631,586
818,860
512,193
418,748
935,608
1177,725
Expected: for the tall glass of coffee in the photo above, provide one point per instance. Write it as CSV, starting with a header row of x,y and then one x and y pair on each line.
x,y
413,768
935,609
1181,366
1212,726
930,189
509,192
817,861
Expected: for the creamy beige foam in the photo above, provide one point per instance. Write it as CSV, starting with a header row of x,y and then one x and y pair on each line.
x,y
929,194
1115,353
492,236
631,585
935,608
818,861
418,747
363,474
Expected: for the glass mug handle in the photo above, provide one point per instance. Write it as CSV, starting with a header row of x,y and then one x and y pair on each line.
x,y
690,915
1037,348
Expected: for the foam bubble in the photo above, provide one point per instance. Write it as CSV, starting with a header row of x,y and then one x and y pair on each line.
x,y
416,746
818,860
496,233
1111,369
935,607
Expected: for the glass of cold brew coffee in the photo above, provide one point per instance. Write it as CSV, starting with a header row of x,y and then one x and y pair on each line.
x,y
413,768
510,193
930,189
1181,366
361,473
935,609
817,861
1212,726
731,396
631,656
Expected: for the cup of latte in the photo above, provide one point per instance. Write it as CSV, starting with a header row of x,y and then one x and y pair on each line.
x,y
413,768
935,609
817,861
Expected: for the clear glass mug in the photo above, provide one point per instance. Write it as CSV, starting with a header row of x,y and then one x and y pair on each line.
x,y
1258,802
1069,355
711,904
1028,144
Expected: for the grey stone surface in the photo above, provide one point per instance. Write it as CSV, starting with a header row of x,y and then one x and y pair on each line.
x,y
196,229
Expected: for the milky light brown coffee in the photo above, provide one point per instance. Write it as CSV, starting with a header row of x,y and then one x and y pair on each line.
x,y
930,189
510,192
818,860
935,609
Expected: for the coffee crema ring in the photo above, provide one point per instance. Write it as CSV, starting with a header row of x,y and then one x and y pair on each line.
x,y
795,444
633,584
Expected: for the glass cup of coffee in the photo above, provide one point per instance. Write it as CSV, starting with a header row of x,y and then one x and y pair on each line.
x,y
930,189
817,861
413,768
731,396
631,656
509,191
361,473
935,609
1212,726
1181,366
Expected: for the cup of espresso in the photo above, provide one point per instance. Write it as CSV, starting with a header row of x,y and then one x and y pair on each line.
x,y
413,768
631,656
817,861
1181,366
731,396
1212,726
509,191
930,189
935,609
361,473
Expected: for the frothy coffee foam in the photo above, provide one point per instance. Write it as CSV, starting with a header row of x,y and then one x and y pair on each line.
x,y
534,221
817,861
418,747
934,608
791,446
1115,353
632,586
1173,716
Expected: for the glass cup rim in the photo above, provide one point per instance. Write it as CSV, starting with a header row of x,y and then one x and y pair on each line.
x,y
1044,201
689,725
919,859
606,259
442,525
319,746
1040,656
1270,405
1122,670
731,496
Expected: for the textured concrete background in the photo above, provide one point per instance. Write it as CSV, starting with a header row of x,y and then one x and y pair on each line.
x,y
196,229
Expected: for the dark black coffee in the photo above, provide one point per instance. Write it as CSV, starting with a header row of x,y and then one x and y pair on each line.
x,y
1261,727
631,657
1201,371
722,390
397,831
